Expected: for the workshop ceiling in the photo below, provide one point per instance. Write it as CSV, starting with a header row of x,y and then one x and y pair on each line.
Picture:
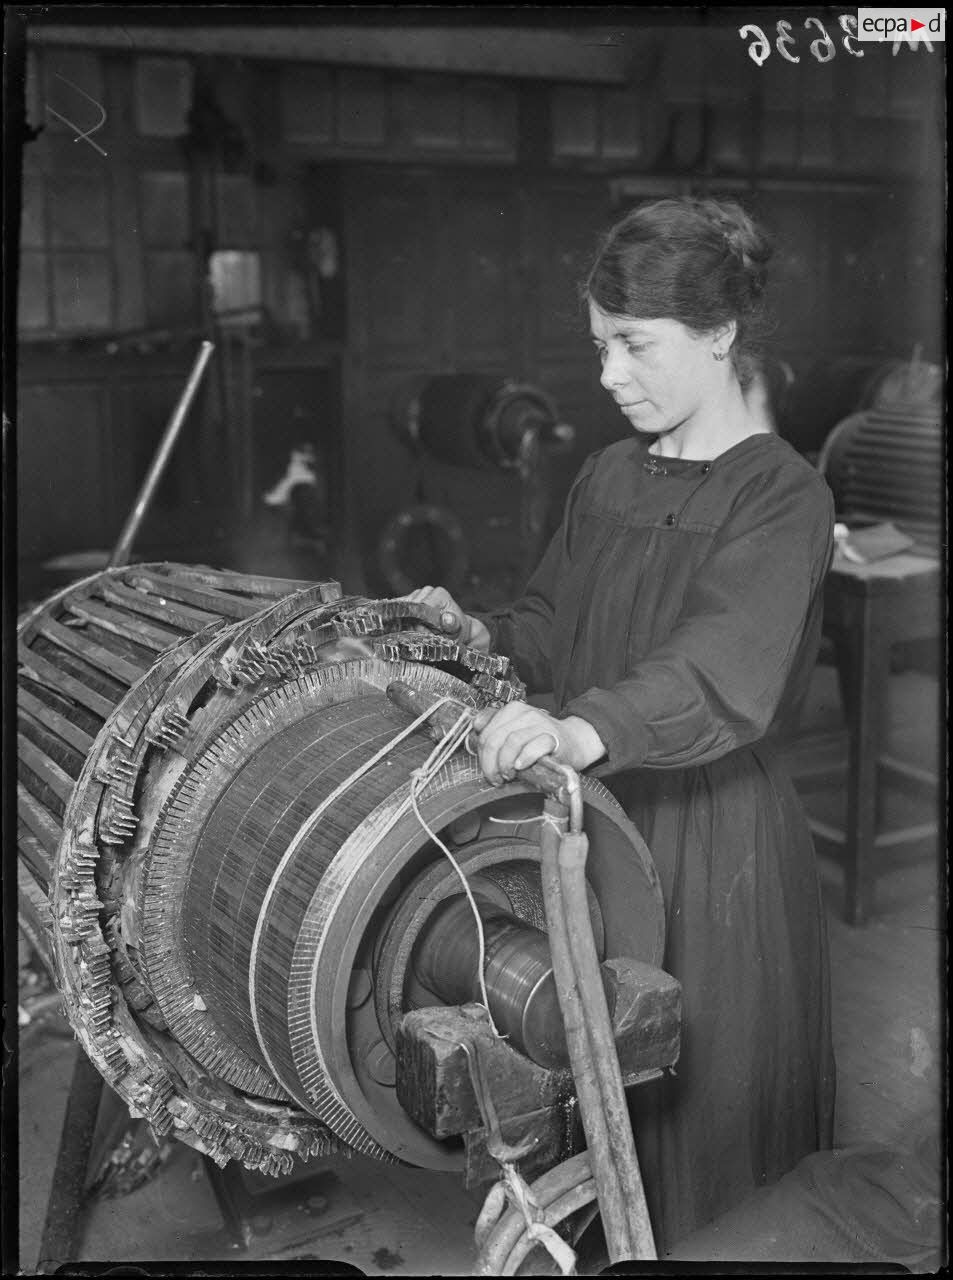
x,y
541,44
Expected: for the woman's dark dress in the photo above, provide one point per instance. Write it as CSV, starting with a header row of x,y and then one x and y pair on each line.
x,y
678,610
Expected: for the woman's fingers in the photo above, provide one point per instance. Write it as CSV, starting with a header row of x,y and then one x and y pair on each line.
x,y
483,718
436,597
523,748
514,737
451,621
546,743
498,755
452,617
421,596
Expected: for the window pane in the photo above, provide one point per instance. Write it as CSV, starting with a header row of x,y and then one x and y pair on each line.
x,y
170,288
435,113
163,96
32,232
34,309
779,134
489,118
729,136
165,209
32,93
236,282
575,121
79,215
306,104
82,291
361,109
621,124
817,139
238,215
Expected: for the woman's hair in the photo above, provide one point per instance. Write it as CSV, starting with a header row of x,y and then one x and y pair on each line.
x,y
701,262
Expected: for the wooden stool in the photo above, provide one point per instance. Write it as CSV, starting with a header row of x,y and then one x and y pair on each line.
x,y
867,609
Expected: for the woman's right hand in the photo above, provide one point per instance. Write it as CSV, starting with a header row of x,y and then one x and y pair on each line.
x,y
470,631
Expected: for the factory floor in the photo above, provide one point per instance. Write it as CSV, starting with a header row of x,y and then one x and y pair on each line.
x,y
889,1038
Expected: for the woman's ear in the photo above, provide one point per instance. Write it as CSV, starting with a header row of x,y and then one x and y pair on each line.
x,y
724,336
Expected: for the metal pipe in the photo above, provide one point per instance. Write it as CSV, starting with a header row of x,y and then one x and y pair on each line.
x,y
588,1085
574,1200
120,555
572,864
547,1190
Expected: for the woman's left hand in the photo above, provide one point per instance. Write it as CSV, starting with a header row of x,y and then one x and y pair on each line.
x,y
517,735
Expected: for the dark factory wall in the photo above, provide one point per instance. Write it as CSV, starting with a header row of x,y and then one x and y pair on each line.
x,y
365,225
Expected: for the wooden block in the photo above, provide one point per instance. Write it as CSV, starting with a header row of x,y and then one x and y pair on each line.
x,y
433,1075
550,1129
645,1005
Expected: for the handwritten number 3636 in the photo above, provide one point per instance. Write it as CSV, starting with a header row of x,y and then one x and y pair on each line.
x,y
823,49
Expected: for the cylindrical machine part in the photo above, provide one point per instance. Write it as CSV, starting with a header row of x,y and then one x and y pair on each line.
x,y
423,543
831,390
479,420
518,974
214,800
887,465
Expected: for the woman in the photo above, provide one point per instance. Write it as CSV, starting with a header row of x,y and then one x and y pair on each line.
x,y
676,618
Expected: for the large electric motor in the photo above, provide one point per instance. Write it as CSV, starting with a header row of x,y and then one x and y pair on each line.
x,y
218,853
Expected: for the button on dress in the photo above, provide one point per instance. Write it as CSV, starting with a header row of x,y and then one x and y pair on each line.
x,y
678,610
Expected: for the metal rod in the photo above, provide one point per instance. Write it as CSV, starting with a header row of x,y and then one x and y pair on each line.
x,y
634,1239
611,1191
120,555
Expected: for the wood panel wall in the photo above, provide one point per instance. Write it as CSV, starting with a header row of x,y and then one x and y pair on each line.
x,y
400,222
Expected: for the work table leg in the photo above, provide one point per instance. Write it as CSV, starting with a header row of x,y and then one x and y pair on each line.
x,y
866,675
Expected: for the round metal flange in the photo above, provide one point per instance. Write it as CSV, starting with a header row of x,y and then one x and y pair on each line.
x,y
501,869
435,884
355,894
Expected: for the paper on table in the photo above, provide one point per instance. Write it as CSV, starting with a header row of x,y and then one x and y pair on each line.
x,y
873,542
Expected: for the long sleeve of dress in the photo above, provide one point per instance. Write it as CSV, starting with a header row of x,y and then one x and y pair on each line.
x,y
715,682
524,630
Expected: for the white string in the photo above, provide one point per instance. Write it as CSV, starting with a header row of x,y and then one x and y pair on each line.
x,y
419,779
559,824
300,835
520,1194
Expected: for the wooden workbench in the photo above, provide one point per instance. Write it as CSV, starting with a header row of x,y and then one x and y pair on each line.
x,y
868,608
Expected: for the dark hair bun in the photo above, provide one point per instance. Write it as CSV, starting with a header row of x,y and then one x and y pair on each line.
x,y
749,245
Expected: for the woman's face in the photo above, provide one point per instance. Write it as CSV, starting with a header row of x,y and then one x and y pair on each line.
x,y
659,372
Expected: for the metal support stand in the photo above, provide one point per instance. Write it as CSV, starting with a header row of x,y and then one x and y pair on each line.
x,y
63,1228
226,1187
62,1231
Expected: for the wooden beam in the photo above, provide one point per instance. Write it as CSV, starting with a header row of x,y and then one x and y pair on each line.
x,y
593,55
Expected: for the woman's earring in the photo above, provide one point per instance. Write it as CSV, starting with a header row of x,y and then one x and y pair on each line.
x,y
720,355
